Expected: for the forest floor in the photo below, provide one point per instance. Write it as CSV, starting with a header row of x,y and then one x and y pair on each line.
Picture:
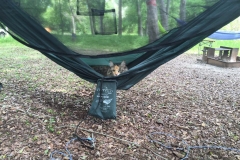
x,y
41,104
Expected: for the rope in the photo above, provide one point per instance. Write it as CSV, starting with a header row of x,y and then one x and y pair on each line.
x,y
100,100
69,155
91,144
188,147
87,142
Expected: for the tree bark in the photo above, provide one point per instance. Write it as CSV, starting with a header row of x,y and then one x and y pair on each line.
x,y
73,28
61,16
152,20
168,6
101,25
91,19
146,28
73,22
120,17
140,28
183,10
163,14
167,10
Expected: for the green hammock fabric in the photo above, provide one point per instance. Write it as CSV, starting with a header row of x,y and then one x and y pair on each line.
x,y
141,62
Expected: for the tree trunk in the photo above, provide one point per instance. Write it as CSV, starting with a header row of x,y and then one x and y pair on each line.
x,y
73,28
183,10
91,19
152,20
61,16
73,22
163,14
146,28
101,25
73,25
167,10
168,6
140,28
120,17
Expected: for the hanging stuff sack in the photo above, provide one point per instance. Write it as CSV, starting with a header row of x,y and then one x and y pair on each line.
x,y
104,100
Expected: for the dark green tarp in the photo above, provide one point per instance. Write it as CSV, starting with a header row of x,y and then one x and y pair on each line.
x,y
140,61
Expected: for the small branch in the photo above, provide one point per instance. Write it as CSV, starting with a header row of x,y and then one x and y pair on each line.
x,y
154,152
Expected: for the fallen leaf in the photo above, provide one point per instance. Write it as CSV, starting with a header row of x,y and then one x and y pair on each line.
x,y
204,124
178,154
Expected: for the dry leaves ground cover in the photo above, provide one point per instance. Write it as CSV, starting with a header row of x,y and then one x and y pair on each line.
x,y
41,104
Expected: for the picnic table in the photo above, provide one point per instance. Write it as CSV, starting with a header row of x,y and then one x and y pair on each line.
x,y
204,42
224,53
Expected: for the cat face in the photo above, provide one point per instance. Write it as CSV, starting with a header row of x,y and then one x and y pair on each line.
x,y
117,69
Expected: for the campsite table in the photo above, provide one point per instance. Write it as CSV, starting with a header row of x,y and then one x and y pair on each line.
x,y
204,42
223,52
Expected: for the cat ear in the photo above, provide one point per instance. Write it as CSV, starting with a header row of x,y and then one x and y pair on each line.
x,y
111,64
123,64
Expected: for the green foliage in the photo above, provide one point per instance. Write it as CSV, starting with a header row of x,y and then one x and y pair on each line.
x,y
3,156
35,138
50,111
236,138
195,8
36,7
227,43
108,43
130,21
27,123
50,124
9,41
46,152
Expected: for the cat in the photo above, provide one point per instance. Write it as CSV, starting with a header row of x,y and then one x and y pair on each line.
x,y
112,69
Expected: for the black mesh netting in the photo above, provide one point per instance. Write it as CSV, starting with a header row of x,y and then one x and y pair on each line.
x,y
86,7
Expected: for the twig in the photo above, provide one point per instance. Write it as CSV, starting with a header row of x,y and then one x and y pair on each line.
x,y
27,112
36,115
182,127
154,152
110,136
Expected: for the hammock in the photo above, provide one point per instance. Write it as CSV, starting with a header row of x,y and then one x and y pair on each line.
x,y
140,61
225,35
218,35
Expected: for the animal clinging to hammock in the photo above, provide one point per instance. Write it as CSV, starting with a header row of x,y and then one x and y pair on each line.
x,y
115,70
112,69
